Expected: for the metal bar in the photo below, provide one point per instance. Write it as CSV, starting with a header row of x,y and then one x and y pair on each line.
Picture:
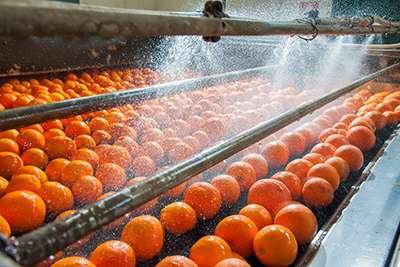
x,y
47,240
40,18
19,117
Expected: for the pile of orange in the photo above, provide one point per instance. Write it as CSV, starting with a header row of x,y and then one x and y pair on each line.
x,y
52,167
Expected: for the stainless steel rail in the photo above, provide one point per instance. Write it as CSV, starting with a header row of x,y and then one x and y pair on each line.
x,y
47,240
23,116
40,18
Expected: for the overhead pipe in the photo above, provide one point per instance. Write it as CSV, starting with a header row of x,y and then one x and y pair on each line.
x,y
37,245
50,19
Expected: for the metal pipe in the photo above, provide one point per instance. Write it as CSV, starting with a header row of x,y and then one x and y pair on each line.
x,y
47,240
40,18
24,116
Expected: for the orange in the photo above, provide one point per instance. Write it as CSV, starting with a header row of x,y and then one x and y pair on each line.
x,y
36,127
75,128
168,132
30,138
22,101
117,130
378,119
179,152
259,164
314,158
3,186
143,166
101,137
98,123
12,134
327,172
203,139
29,169
152,134
54,124
337,140
116,154
55,168
326,133
148,206
232,262
36,157
26,182
244,174
86,155
352,155
181,127
116,223
291,181
204,198
53,132
324,149
276,153
129,144
169,142
73,262
295,142
7,144
318,192
23,210
228,187
216,128
84,141
113,253
115,117
300,220
300,168
74,170
341,166
87,189
362,121
176,261
57,197
307,135
193,143
9,163
4,227
391,118
178,218
59,147
258,214
152,150
361,137
209,250
275,245
7,100
270,194
238,231
111,176
195,122
141,228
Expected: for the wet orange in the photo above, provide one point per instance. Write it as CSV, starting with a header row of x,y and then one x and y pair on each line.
x,y
228,187
300,168
30,138
209,250
143,166
87,189
36,157
23,210
341,166
28,182
362,137
7,144
141,228
238,231
352,155
275,245
73,262
258,214
178,217
59,147
259,164
244,174
204,198
57,197
176,261
74,170
111,176
87,155
318,192
291,181
9,163
276,153
113,253
55,168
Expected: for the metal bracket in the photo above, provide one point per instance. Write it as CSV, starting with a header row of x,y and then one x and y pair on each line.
x,y
214,9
